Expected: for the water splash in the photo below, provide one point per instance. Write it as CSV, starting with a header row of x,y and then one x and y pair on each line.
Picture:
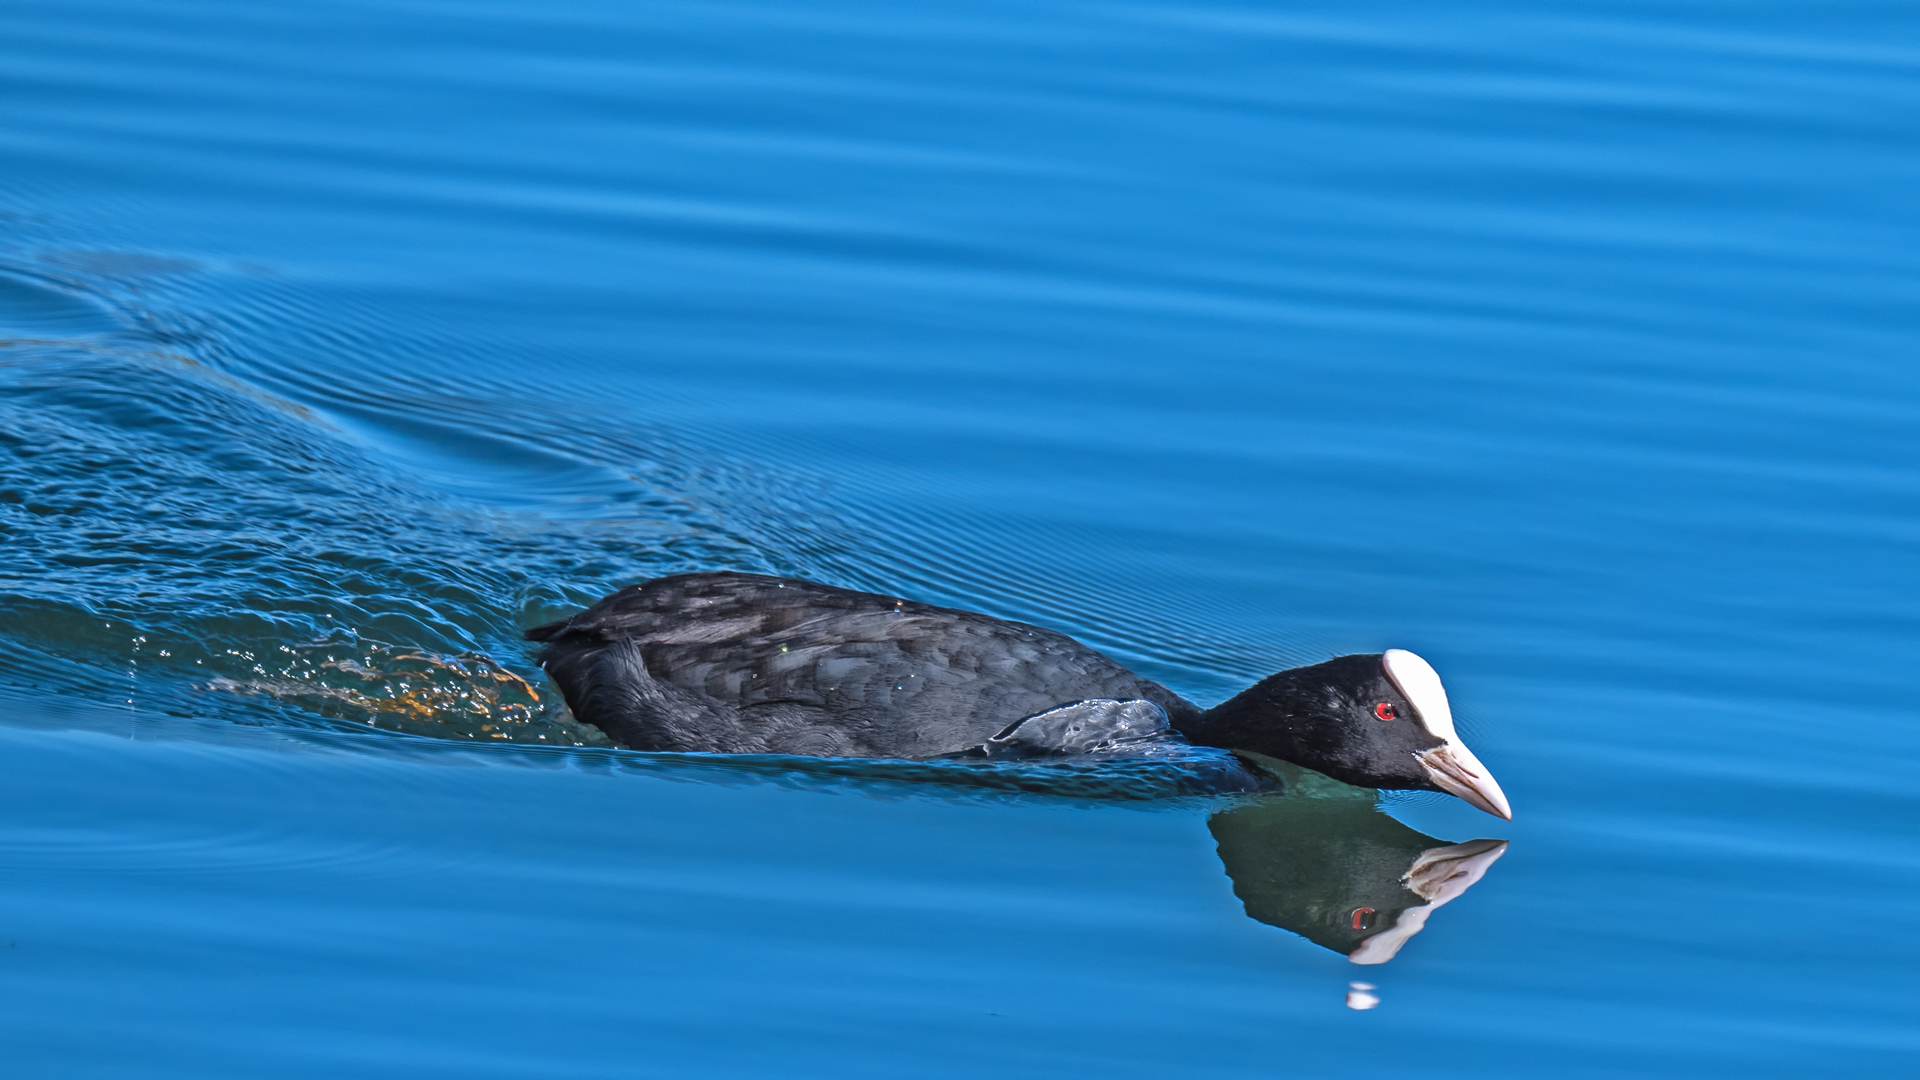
x,y
408,689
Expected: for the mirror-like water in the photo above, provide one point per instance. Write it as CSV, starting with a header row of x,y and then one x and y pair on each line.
x,y
1568,346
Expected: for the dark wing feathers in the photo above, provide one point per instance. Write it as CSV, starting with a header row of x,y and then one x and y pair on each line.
x,y
741,663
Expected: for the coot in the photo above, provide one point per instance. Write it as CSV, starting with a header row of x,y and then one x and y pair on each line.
x,y
727,662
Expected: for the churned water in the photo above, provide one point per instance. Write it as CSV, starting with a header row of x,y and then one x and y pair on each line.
x,y
1571,345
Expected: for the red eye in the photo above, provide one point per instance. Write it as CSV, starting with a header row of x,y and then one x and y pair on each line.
x,y
1385,711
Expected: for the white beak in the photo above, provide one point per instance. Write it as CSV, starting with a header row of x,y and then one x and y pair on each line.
x,y
1451,766
1455,770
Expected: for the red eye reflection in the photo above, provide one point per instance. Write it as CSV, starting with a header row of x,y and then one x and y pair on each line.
x,y
1385,711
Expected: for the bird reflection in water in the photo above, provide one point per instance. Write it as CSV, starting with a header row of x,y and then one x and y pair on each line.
x,y
1319,859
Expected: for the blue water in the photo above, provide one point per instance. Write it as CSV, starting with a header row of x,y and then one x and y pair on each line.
x,y
1569,345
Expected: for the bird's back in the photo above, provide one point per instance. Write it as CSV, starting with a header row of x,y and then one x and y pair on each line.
x,y
744,663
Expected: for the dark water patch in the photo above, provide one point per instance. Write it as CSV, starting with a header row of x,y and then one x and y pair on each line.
x,y
128,269
34,310
1177,779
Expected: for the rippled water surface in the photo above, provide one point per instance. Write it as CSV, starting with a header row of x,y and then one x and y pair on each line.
x,y
1569,345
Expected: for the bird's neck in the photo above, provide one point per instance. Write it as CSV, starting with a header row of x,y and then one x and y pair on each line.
x,y
1254,719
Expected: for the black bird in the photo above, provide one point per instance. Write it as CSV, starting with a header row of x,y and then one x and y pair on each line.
x,y
744,663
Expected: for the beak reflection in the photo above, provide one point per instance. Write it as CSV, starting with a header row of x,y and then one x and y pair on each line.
x,y
1321,861
1438,875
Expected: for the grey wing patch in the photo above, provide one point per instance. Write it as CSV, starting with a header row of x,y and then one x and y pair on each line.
x,y
1083,727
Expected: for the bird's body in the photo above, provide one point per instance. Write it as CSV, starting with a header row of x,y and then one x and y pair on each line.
x,y
741,663
727,662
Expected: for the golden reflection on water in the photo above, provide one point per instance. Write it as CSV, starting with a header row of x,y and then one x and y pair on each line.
x,y
409,689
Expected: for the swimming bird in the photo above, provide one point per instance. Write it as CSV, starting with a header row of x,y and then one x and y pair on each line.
x,y
726,662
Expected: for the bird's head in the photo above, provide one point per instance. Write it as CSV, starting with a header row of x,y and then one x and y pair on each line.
x,y
1378,720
